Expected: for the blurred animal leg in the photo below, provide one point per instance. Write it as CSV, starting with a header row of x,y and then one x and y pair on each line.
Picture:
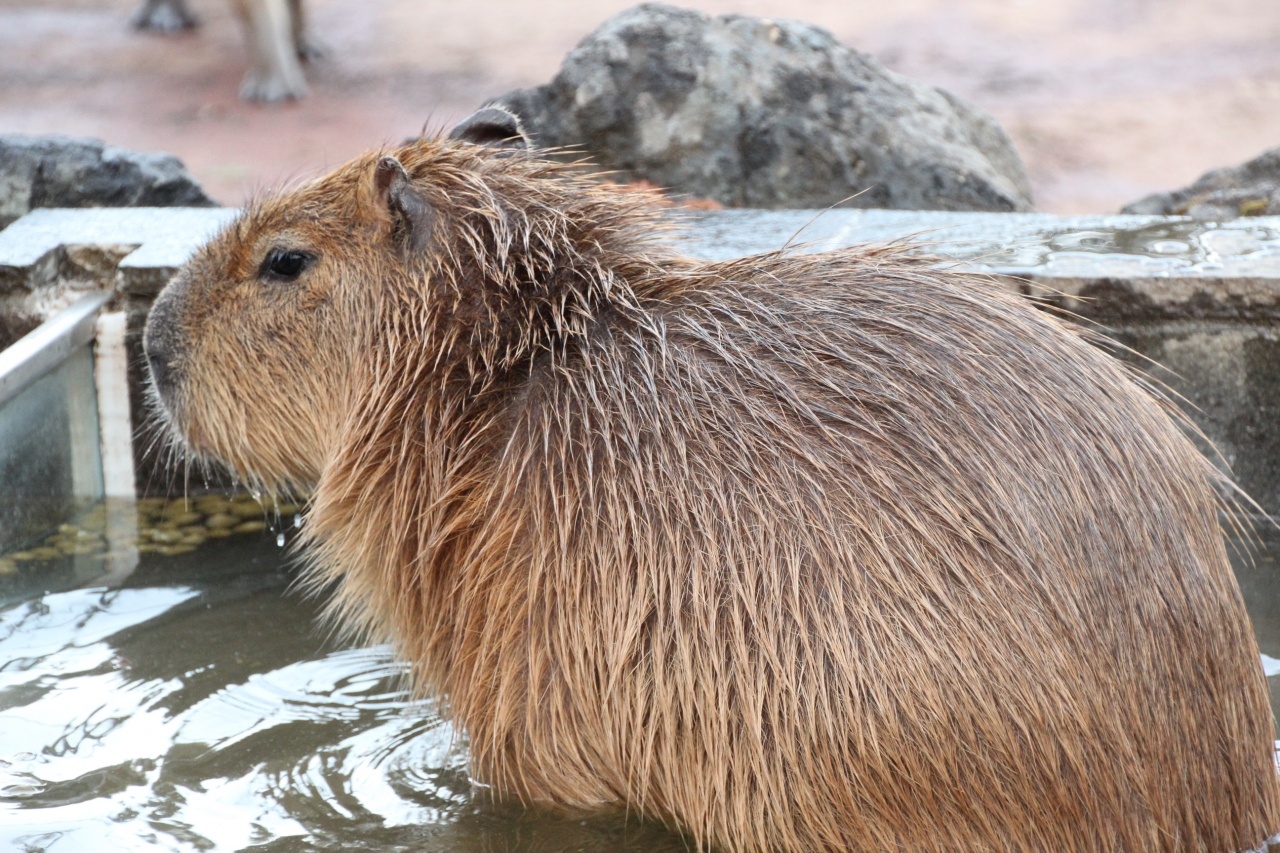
x,y
274,74
306,48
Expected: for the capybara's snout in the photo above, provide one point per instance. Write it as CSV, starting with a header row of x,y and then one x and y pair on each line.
x,y
162,341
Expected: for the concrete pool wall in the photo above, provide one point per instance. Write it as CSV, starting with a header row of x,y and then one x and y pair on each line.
x,y
1200,300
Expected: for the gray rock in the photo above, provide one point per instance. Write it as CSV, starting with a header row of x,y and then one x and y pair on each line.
x,y
59,171
1251,189
775,114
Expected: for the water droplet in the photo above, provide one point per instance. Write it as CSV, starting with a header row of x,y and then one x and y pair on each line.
x,y
279,540
297,520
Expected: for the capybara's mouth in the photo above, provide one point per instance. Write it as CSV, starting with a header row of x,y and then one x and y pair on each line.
x,y
165,377
164,345
163,383
167,419
161,341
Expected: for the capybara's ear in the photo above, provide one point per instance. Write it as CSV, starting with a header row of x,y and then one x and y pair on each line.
x,y
409,209
492,127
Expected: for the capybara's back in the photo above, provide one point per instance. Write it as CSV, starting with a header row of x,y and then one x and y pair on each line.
x,y
798,553
840,553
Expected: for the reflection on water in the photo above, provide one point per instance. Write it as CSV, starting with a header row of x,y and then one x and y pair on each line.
x,y
198,708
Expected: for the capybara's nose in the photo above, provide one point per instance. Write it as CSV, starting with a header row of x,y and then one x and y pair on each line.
x,y
158,359
161,341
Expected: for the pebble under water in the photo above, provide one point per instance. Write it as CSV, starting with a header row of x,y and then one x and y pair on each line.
x,y
200,707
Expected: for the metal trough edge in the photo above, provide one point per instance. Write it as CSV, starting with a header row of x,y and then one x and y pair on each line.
x,y
49,344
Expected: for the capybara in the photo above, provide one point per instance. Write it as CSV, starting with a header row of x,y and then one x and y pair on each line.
x,y
841,551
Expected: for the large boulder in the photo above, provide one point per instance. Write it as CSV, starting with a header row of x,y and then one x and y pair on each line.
x,y
1251,189
753,112
59,171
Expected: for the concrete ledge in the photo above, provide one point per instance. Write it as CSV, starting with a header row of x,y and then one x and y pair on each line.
x,y
1107,268
141,246
1200,299
1104,267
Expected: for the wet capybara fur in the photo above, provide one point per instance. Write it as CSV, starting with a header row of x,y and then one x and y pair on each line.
x,y
840,551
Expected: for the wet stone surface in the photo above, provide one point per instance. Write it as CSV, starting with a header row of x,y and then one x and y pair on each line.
x,y
1112,269
1147,249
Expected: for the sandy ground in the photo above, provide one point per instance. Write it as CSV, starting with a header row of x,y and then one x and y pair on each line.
x,y
1107,100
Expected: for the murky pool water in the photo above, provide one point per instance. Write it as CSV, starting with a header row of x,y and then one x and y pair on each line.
x,y
198,707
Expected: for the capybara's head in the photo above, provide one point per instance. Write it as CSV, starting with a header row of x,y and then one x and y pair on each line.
x,y
248,345
260,346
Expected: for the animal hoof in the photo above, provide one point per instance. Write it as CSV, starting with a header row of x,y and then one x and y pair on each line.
x,y
271,89
164,18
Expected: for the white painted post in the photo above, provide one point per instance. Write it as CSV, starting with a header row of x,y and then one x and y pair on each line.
x,y
115,424
111,371
84,433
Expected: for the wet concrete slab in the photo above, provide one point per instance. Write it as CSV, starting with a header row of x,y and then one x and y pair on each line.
x,y
148,244
1107,268
1175,267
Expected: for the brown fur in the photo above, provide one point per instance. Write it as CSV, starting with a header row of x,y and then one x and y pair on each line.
x,y
832,552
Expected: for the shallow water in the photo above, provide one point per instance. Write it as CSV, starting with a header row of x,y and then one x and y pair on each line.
x,y
198,707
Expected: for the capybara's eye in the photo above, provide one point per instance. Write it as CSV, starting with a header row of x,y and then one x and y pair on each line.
x,y
284,264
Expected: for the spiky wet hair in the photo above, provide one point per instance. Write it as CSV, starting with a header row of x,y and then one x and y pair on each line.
x,y
796,553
